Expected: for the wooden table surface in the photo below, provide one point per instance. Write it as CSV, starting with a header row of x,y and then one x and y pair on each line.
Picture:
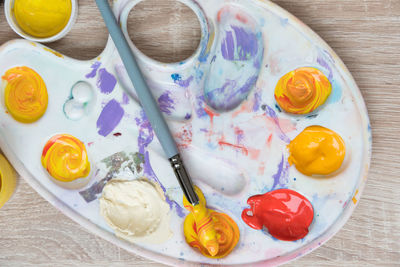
x,y
365,34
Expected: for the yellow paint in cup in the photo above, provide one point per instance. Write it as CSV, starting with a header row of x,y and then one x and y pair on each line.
x,y
7,180
42,18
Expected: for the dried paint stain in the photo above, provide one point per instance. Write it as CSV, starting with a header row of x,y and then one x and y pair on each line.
x,y
114,163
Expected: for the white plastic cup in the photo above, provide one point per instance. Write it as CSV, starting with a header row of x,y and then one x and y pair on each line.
x,y
8,6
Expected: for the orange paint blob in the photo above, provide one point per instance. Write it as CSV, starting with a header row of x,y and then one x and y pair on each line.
x,y
65,158
25,94
303,90
213,233
317,150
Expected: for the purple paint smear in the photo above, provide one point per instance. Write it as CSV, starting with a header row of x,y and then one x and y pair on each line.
x,y
146,136
166,103
177,78
228,97
95,66
227,46
106,81
109,117
271,113
258,60
246,44
125,99
200,106
213,58
325,64
281,176
257,101
239,137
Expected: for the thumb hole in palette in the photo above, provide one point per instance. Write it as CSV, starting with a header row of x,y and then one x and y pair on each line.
x,y
175,41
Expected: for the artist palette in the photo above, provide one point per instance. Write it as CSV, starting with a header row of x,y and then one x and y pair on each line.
x,y
220,106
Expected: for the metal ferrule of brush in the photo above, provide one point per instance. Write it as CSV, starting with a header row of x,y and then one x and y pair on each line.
x,y
184,179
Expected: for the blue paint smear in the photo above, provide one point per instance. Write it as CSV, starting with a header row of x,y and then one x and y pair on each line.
x,y
284,21
262,22
278,108
204,53
336,93
199,73
177,78
312,116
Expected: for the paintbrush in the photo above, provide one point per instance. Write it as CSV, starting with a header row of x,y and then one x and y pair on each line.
x,y
147,101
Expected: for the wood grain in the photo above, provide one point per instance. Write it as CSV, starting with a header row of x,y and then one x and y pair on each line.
x,y
365,34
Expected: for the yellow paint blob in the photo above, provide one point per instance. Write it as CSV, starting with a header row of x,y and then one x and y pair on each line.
x,y
7,180
65,158
25,94
215,234
303,90
42,18
317,150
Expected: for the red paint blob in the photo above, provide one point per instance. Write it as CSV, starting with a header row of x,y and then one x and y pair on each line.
x,y
284,212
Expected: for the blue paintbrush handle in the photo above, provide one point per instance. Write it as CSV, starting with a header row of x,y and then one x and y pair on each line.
x,y
149,105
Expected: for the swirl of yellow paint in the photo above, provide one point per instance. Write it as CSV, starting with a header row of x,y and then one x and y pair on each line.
x,y
317,150
214,234
303,90
65,158
25,94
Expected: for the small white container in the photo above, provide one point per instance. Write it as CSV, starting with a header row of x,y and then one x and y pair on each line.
x,y
8,6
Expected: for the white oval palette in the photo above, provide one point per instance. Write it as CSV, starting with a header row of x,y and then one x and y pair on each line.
x,y
220,106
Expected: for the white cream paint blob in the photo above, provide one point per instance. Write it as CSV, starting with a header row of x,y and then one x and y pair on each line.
x,y
136,210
